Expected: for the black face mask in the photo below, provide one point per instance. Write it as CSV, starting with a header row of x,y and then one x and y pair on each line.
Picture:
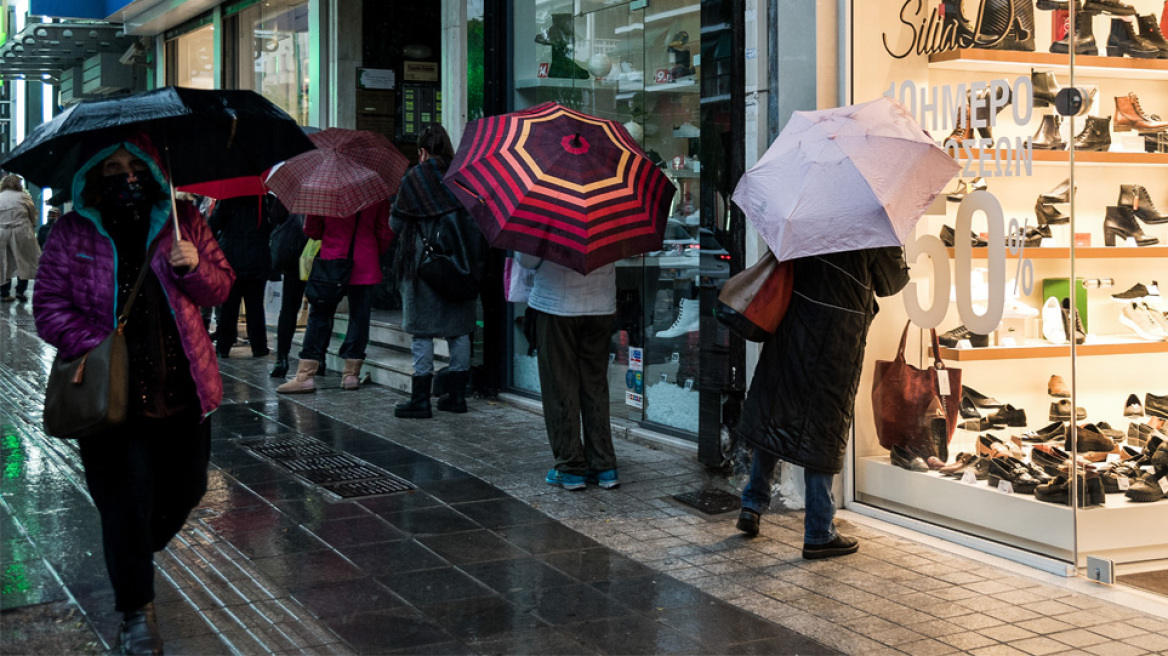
x,y
118,192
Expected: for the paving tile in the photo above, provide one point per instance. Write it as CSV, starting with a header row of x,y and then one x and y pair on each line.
x,y
430,521
359,530
1079,637
967,641
1150,642
545,640
404,629
718,623
1112,648
927,647
396,557
500,513
346,597
471,547
996,650
481,618
1006,633
1039,646
897,636
434,586
1045,625
654,594
594,565
936,628
633,634
298,569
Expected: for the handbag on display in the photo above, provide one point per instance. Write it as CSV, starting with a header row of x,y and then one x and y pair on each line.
x,y
329,279
90,394
902,395
287,243
451,265
752,302
517,281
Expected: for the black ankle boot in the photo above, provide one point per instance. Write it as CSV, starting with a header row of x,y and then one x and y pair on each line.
x,y
1096,134
139,633
418,407
1081,38
1123,40
281,368
1151,34
1121,222
455,401
1139,201
1048,136
1046,87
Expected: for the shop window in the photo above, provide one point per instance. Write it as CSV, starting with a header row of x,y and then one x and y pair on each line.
x,y
267,50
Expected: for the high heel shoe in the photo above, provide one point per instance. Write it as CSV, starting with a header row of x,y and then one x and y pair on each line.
x,y
1121,222
1049,214
1136,198
963,189
949,238
1060,194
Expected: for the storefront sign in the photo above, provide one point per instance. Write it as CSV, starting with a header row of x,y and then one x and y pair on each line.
x,y
420,71
376,78
932,31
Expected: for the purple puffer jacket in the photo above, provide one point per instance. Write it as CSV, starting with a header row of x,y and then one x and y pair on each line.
x,y
74,296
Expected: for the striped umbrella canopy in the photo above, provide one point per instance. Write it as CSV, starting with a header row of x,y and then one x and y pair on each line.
x,y
348,171
561,185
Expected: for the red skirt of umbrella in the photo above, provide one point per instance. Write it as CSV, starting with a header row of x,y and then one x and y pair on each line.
x,y
562,185
349,170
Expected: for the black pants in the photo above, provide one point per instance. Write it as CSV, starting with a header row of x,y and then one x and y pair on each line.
x,y
320,326
292,298
573,377
251,292
21,287
145,478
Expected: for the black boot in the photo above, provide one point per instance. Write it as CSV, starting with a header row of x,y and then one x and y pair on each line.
x,y
1096,134
139,634
1082,38
1121,222
1046,87
1123,40
418,407
1049,137
455,401
281,368
1151,34
1136,198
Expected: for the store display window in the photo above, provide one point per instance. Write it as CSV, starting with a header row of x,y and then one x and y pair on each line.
x,y
637,63
1040,271
190,55
266,50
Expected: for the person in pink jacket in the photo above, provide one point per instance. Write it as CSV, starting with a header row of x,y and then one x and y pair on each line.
x,y
147,474
370,236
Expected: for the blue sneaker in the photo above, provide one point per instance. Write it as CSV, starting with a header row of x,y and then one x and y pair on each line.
x,y
566,481
607,479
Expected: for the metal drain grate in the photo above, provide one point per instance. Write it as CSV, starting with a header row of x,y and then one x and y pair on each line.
x,y
332,469
289,447
369,488
20,321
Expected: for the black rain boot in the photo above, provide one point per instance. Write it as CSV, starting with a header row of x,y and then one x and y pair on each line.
x,y
455,401
1121,222
1049,137
139,632
281,368
1096,134
1139,201
1123,40
418,407
1082,37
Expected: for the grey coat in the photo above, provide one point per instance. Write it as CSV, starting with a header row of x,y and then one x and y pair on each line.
x,y
19,251
424,312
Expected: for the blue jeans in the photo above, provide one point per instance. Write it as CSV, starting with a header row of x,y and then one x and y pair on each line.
x,y
320,326
422,348
819,513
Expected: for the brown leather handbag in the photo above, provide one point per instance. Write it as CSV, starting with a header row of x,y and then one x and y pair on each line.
x,y
902,394
752,302
90,394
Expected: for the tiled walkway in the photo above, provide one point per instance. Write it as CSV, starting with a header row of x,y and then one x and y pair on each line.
x,y
486,558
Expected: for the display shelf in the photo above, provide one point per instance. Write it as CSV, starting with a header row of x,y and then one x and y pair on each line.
x,y
564,83
680,86
1082,157
682,173
1104,345
1091,252
977,59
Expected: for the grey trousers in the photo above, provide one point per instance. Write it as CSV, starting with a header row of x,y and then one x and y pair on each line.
x,y
573,374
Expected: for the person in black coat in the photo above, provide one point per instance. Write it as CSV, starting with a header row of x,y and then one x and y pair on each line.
x,y
243,229
802,397
287,242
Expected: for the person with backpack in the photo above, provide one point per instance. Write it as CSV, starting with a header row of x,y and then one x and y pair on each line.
x,y
424,208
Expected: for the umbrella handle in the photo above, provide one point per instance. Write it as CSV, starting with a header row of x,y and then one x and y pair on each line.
x,y
173,198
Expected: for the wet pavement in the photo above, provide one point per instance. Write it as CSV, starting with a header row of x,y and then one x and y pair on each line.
x,y
483,557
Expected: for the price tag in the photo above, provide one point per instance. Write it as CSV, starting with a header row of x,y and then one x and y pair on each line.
x,y
1123,481
963,344
689,386
969,477
665,378
1005,486
1164,484
675,358
943,382
1048,242
1009,342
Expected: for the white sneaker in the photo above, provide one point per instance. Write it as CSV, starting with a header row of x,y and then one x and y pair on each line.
x,y
687,130
688,316
1158,320
1015,309
1140,322
1053,328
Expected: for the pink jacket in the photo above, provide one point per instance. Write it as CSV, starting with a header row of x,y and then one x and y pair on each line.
x,y
373,238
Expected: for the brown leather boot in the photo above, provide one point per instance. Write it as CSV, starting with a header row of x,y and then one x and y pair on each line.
x,y
302,383
351,378
1130,116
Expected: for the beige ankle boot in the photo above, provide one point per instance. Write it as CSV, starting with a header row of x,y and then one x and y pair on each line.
x,y
350,379
302,383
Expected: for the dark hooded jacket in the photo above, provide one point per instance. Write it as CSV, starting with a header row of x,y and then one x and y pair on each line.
x,y
81,286
243,228
802,398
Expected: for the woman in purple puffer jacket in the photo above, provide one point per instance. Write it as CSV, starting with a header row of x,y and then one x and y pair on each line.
x,y
146,475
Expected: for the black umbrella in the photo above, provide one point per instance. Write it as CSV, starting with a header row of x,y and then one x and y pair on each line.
x,y
201,134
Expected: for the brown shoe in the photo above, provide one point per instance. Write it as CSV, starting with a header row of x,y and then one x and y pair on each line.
x,y
351,377
303,382
963,460
1130,116
1090,439
1056,386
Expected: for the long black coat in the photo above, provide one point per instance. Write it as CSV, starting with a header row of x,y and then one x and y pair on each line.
x,y
802,398
243,229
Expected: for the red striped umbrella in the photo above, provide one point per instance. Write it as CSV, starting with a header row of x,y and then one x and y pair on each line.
x,y
562,185
348,171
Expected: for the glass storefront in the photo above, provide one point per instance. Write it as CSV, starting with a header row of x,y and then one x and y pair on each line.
x,y
266,47
640,64
190,55
1047,376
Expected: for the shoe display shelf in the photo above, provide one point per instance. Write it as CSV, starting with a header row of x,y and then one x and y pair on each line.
x,y
1093,252
1012,61
1090,157
1120,529
1104,345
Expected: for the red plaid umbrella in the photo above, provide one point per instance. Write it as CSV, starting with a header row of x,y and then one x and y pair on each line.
x,y
562,185
348,171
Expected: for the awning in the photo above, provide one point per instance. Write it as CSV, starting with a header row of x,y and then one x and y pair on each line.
x,y
48,49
